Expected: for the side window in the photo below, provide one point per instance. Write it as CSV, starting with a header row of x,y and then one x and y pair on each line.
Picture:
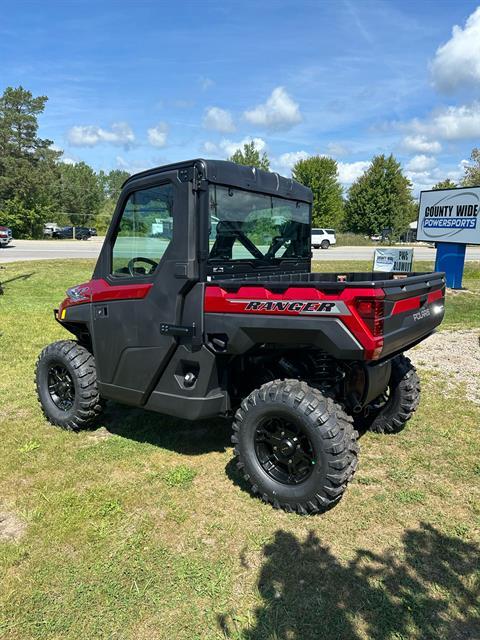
x,y
145,232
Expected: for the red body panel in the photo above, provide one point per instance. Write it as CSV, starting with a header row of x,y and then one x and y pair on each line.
x,y
218,300
101,291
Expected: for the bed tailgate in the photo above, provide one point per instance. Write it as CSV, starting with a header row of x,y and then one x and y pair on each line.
x,y
413,308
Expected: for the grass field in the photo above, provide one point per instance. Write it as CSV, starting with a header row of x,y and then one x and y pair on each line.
x,y
143,530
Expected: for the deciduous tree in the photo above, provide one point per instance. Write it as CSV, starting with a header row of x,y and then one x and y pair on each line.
x,y
472,170
80,193
380,199
320,174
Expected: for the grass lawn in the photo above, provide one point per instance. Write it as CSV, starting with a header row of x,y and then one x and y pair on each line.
x,y
143,530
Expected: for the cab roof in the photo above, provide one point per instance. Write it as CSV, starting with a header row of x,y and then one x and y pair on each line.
x,y
235,175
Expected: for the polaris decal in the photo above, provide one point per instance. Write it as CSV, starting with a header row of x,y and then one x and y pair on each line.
x,y
300,307
423,313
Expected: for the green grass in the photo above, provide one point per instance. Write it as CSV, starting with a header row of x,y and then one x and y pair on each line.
x,y
354,240
142,529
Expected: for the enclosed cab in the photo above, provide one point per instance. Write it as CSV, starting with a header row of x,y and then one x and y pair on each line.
x,y
203,304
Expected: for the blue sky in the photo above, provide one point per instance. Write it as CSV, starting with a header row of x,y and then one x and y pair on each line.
x,y
137,84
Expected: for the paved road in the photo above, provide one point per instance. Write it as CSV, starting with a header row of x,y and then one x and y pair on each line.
x,y
50,249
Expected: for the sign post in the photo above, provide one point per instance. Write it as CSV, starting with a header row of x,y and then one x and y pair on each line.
x,y
450,218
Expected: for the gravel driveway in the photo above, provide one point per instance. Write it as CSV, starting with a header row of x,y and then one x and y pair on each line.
x,y
455,356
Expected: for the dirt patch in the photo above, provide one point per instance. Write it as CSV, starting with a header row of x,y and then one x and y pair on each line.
x,y
455,355
11,527
99,435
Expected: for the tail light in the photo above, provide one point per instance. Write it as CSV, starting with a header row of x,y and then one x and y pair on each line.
x,y
372,311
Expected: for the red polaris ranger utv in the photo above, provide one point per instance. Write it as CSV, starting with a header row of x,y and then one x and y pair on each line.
x,y
203,304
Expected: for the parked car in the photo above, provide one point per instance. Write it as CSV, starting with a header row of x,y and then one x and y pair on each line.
x,y
81,233
49,228
93,231
384,236
5,236
323,238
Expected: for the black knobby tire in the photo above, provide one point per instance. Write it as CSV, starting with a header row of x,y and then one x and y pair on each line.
x,y
66,382
327,429
390,413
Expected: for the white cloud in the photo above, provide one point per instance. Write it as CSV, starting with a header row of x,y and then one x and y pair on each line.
x,y
348,172
450,123
286,161
421,163
64,159
457,62
91,135
218,120
157,136
131,167
278,112
205,83
421,144
226,148
425,179
337,149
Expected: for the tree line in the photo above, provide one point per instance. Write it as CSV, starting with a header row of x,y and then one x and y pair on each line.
x,y
381,198
37,186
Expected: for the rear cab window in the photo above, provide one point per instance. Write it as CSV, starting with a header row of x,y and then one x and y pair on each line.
x,y
256,228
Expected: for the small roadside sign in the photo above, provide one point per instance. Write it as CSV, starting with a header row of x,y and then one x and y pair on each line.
x,y
393,260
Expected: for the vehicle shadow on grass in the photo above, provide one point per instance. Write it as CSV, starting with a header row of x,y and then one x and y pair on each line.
x,y
427,589
181,436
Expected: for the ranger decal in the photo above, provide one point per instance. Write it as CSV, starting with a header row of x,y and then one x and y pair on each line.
x,y
300,307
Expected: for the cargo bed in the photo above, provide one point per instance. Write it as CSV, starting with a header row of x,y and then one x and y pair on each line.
x,y
368,316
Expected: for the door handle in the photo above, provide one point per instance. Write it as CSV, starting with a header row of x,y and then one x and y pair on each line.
x,y
177,330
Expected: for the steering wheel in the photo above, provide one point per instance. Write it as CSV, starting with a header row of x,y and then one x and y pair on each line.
x,y
131,265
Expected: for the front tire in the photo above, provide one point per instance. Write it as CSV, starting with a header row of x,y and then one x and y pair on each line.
x,y
390,412
296,448
66,382
325,244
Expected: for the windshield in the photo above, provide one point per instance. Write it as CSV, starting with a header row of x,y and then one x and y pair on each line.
x,y
256,227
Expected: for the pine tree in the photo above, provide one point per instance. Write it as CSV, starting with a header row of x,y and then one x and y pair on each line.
x,y
251,157
444,184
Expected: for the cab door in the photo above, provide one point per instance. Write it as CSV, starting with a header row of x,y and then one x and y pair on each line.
x,y
144,274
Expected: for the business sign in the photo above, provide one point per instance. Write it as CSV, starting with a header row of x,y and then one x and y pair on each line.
x,y
450,215
393,260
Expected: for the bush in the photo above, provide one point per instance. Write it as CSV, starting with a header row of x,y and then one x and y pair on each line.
x,y
24,221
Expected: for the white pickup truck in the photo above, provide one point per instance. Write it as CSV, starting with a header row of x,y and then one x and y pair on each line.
x,y
323,238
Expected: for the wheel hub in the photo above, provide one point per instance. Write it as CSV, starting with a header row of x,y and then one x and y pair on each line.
x,y
61,387
284,450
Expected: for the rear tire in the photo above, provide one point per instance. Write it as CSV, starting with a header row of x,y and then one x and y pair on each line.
x,y
310,431
390,414
325,244
66,383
